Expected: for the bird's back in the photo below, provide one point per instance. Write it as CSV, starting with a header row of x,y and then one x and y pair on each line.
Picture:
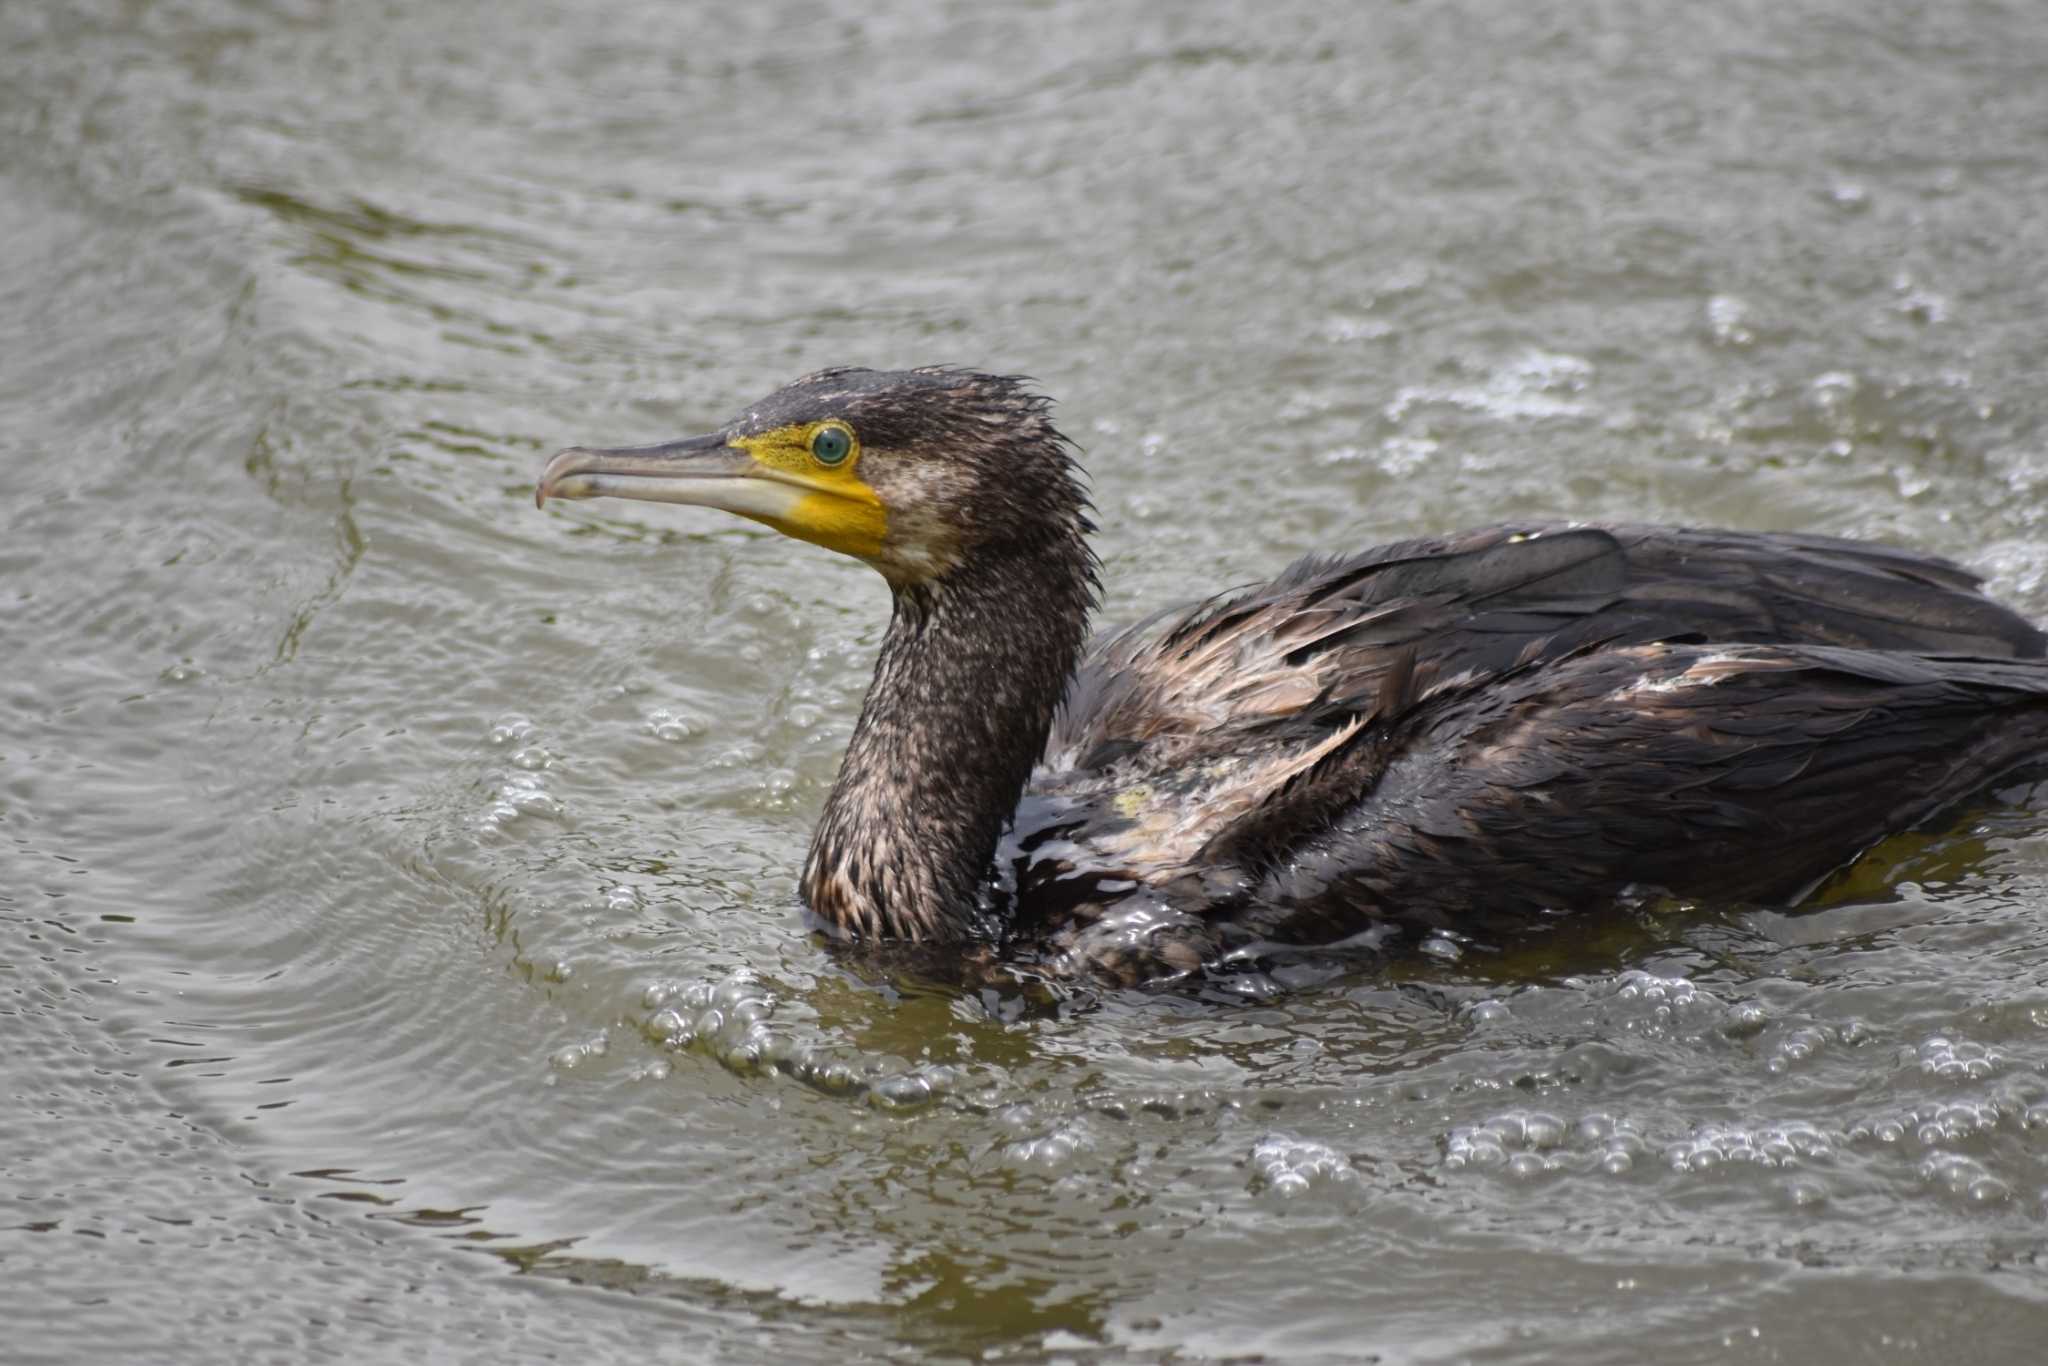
x,y
1481,602
1206,752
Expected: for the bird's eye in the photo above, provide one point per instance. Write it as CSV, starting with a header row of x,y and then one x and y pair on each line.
x,y
830,445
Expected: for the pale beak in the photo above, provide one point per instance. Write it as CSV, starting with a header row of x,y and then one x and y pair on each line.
x,y
702,470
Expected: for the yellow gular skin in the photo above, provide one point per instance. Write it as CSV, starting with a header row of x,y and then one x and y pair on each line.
x,y
835,508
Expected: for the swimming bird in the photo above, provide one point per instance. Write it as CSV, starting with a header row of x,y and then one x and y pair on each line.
x,y
1468,734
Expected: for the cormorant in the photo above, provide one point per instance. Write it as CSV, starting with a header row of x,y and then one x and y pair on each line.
x,y
1468,733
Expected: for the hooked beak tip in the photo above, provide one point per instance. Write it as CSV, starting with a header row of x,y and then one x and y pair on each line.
x,y
563,468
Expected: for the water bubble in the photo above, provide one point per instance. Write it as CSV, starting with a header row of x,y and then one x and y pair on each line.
x,y
727,1019
664,723
833,1076
1049,1150
1529,1143
1439,947
520,795
1288,1165
776,785
1488,1145
1488,1011
1642,1002
568,1058
1956,1059
1770,1145
1746,1019
1511,1128
1728,320
1479,1149
1964,1178
512,728
1794,1047
1834,389
1638,985
742,754
1937,1122
904,1091
657,994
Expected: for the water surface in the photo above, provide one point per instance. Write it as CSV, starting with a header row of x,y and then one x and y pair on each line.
x,y
398,947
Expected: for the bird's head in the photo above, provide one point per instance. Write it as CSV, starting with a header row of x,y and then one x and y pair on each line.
x,y
913,471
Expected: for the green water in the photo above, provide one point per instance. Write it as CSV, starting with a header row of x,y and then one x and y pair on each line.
x,y
399,957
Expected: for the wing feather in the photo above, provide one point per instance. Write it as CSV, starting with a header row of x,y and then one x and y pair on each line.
x,y
1249,726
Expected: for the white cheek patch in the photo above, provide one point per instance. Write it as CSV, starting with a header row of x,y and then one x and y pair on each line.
x,y
921,543
916,563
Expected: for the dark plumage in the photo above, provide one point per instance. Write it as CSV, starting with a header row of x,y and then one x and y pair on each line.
x,y
1471,733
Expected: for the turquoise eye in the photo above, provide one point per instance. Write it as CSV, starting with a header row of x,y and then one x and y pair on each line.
x,y
830,445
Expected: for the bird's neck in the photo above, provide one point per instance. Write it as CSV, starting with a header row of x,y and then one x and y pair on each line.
x,y
969,676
